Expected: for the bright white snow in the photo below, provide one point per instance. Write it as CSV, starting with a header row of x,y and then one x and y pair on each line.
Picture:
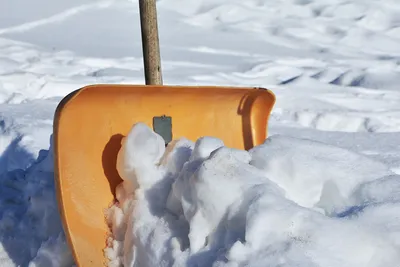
x,y
288,202
334,66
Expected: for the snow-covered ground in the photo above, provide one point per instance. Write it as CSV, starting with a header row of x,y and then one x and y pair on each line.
x,y
333,65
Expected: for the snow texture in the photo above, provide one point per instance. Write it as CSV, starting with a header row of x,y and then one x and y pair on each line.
x,y
323,188
204,204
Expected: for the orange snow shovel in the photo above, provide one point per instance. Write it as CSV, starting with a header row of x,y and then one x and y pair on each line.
x,y
90,123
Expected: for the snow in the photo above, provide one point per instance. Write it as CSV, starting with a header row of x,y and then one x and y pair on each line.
x,y
326,179
287,202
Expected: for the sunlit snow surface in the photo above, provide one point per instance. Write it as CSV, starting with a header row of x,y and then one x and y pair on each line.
x,y
288,202
333,66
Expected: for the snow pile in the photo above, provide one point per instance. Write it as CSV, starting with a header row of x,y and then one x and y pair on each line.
x,y
334,67
287,202
31,233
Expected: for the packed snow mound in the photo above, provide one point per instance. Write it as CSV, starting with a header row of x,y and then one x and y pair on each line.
x,y
333,65
287,202
310,171
31,233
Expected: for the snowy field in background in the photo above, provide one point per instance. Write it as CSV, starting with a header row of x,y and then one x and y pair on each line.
x,y
333,65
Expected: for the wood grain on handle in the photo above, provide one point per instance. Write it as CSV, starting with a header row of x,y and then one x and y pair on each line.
x,y
150,42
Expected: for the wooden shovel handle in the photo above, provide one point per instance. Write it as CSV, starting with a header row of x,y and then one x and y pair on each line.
x,y
150,42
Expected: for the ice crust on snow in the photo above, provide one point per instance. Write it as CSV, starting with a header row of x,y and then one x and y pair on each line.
x,y
287,202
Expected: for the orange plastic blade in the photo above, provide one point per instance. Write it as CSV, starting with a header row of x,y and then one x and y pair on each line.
x,y
90,123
